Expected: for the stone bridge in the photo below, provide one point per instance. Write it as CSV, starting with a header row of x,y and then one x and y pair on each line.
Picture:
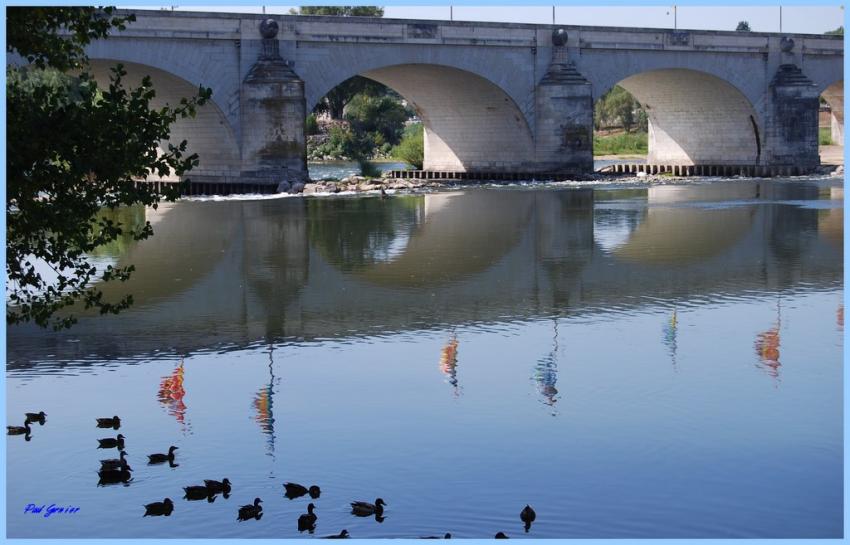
x,y
493,97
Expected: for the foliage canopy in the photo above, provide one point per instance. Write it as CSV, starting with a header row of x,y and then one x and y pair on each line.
x,y
73,150
343,11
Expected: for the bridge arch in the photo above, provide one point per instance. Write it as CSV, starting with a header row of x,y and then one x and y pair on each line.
x,y
834,96
696,117
209,133
466,117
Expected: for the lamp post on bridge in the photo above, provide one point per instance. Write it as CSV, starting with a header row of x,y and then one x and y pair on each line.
x,y
675,18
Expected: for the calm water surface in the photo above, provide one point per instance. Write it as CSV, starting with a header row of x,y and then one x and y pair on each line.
x,y
650,362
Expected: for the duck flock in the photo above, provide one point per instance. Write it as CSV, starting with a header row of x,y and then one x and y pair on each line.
x,y
117,470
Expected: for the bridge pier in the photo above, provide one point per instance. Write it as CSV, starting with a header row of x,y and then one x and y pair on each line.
x,y
563,115
274,110
791,122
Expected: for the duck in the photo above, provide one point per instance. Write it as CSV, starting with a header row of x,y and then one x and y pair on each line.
x,y
158,508
307,521
122,466
295,490
162,458
365,509
113,422
216,486
447,536
251,511
527,515
19,430
114,476
36,417
501,535
115,463
110,442
341,535
199,493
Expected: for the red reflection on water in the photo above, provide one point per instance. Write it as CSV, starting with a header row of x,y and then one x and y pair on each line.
x,y
839,317
171,394
767,349
448,363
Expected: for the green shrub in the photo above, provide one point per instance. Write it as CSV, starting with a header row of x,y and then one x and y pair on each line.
x,y
310,125
621,144
369,169
411,149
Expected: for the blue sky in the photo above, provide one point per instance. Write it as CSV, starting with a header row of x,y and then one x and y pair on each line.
x,y
801,18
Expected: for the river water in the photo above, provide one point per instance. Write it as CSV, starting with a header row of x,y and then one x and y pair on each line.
x,y
632,361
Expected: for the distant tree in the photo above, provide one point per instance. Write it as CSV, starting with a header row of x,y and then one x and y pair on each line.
x,y
411,149
384,116
837,32
74,152
341,11
337,99
743,26
618,107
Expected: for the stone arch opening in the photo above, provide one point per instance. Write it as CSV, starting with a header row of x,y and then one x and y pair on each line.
x,y
832,116
696,118
208,133
470,124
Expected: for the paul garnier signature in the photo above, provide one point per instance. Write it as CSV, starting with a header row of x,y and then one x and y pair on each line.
x,y
48,510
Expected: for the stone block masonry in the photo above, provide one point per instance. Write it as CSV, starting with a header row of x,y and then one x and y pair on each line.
x,y
495,98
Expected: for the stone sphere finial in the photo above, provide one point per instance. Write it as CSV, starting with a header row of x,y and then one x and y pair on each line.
x,y
268,28
786,44
559,37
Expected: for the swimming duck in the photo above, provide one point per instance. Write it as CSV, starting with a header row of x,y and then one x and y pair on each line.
x,y
19,430
115,463
114,476
341,535
113,422
251,511
307,521
36,417
295,490
501,535
158,508
447,536
527,515
162,458
199,493
216,486
122,466
110,442
365,509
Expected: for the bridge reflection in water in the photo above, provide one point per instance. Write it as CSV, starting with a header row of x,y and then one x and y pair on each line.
x,y
226,274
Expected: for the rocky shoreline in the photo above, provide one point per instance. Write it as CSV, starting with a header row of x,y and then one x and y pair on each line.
x,y
362,184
